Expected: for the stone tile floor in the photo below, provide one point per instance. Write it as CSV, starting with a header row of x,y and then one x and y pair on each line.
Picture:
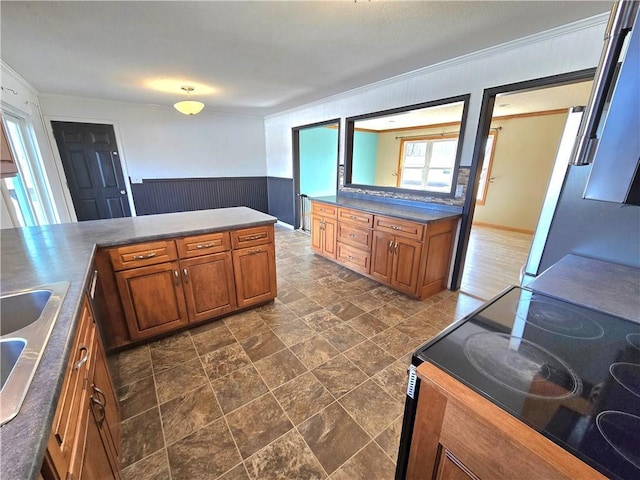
x,y
310,386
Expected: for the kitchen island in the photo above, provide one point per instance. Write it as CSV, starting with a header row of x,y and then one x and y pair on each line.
x,y
35,256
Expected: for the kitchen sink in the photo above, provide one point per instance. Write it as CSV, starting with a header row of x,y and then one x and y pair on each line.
x,y
27,318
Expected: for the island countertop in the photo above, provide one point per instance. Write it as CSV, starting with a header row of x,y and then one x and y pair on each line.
x,y
425,214
35,256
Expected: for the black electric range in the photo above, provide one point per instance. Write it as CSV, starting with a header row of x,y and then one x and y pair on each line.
x,y
571,373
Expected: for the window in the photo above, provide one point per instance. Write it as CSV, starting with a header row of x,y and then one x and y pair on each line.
x,y
428,163
485,173
27,193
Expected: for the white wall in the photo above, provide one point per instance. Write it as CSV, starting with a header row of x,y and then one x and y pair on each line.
x,y
158,142
573,47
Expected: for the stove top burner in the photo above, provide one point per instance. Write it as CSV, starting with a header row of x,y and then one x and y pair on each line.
x,y
634,340
559,320
521,366
621,431
627,375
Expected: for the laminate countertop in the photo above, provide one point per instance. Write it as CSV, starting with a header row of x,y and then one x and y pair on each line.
x,y
35,256
417,214
603,286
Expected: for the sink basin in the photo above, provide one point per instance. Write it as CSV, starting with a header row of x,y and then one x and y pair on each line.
x,y
27,318
10,351
22,309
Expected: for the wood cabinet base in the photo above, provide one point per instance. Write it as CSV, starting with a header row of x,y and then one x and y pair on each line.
x,y
460,435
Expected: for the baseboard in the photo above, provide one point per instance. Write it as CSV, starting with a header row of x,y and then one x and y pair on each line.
x,y
502,227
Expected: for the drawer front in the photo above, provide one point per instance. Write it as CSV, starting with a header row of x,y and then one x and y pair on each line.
x,y
198,245
324,210
355,236
354,258
396,226
249,237
355,216
142,254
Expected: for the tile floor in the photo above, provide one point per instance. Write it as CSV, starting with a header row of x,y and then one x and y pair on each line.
x,y
310,386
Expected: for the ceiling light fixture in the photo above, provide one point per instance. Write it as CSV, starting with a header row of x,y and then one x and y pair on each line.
x,y
188,106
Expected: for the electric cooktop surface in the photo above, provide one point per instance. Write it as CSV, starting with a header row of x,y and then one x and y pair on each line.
x,y
571,373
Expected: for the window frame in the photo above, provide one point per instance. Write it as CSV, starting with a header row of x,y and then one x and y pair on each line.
x,y
430,140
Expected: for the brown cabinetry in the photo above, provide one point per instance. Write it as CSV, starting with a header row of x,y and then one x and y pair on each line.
x,y
323,229
8,167
153,299
168,284
85,440
396,261
459,435
411,257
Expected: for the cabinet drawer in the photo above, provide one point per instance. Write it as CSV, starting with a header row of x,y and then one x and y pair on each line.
x,y
355,216
354,258
198,245
399,227
355,236
249,237
142,254
324,210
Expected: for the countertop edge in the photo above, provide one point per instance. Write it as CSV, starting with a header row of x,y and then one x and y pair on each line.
x,y
398,211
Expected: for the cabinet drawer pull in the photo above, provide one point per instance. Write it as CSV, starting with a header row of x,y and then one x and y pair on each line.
x,y
350,257
253,252
395,227
322,210
254,237
84,358
353,235
205,245
100,405
144,257
353,217
100,393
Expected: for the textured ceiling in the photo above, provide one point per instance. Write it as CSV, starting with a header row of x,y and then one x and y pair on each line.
x,y
252,57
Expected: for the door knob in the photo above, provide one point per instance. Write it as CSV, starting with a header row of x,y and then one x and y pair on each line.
x,y
123,192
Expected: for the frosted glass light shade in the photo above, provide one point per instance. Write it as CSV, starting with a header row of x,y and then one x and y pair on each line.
x,y
189,107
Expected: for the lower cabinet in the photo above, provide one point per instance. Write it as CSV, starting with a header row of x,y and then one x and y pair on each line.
x,y
460,435
396,261
153,299
255,275
209,286
85,439
161,286
409,256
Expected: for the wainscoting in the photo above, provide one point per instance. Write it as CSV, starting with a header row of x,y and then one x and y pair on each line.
x,y
272,195
281,199
183,194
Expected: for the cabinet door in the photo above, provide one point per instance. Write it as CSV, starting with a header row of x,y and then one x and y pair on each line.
x,y
255,274
102,388
406,264
329,239
316,234
208,286
96,463
152,299
381,253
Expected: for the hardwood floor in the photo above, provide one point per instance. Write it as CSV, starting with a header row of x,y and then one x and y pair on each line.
x,y
494,259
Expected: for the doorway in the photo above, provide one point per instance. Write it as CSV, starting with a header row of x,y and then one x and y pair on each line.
x,y
520,132
93,170
315,166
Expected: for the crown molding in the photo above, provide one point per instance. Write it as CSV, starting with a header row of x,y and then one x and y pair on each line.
x,y
562,30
